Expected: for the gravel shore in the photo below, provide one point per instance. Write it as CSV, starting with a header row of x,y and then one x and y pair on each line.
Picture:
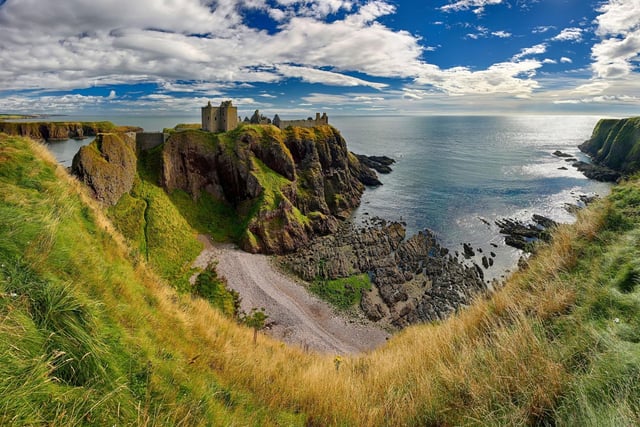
x,y
296,316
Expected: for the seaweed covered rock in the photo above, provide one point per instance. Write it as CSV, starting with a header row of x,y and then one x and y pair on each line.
x,y
107,166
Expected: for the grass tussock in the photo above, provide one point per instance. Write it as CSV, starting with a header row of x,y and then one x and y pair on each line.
x,y
558,344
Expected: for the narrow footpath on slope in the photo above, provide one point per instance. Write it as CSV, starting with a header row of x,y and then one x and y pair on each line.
x,y
298,317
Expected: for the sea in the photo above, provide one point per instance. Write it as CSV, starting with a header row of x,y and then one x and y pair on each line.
x,y
454,175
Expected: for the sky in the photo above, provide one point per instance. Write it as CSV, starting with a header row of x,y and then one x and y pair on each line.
x,y
344,57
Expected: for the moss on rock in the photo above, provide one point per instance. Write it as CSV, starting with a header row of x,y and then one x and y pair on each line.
x,y
107,166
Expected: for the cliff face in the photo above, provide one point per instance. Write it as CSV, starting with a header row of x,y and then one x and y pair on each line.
x,y
289,185
51,131
107,166
616,144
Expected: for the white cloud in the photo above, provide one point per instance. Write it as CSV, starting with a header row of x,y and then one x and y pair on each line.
x,y
569,34
476,5
312,75
549,61
202,48
513,78
619,28
542,29
501,34
330,99
618,17
603,99
112,95
78,44
566,60
533,50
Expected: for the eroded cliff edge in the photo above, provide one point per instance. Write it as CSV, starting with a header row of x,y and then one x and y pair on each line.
x,y
614,145
54,131
287,185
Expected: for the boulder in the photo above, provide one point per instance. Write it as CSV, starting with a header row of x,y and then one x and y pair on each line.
x,y
107,166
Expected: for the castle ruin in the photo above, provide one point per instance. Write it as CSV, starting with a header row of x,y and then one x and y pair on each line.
x,y
220,119
225,118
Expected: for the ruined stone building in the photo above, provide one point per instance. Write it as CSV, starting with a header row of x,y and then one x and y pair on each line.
x,y
220,119
309,123
225,118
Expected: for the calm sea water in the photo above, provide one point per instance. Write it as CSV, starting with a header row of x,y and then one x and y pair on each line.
x,y
454,174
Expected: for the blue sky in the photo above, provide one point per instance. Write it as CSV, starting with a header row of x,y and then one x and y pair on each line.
x,y
341,56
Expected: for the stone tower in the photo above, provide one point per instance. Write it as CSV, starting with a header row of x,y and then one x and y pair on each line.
x,y
220,119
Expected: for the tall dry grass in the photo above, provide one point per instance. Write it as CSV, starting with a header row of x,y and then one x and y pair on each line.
x,y
489,364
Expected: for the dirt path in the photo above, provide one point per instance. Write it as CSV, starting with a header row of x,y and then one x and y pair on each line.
x,y
299,317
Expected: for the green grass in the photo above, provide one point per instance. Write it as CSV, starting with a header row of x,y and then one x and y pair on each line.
x,y
343,293
89,336
155,227
86,336
213,288
209,216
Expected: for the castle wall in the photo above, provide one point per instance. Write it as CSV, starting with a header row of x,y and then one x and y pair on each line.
x,y
149,140
304,123
228,118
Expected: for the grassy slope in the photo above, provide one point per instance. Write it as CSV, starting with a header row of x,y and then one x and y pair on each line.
x,y
558,344
86,336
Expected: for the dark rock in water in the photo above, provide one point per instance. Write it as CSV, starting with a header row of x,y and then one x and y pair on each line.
x,y
520,235
485,262
517,242
365,174
380,164
562,168
571,208
571,159
493,254
559,153
468,250
494,245
583,201
544,221
414,280
587,199
599,173
517,228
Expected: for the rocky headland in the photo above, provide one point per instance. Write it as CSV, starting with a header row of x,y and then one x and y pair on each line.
x,y
57,131
290,185
614,147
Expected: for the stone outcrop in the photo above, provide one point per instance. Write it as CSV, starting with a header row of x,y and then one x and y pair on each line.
x,y
415,280
614,145
52,131
381,164
522,236
291,184
107,166
597,172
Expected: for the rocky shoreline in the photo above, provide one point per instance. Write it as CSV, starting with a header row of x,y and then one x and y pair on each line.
x,y
414,280
590,170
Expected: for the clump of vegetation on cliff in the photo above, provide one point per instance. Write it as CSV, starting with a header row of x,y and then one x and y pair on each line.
x,y
558,344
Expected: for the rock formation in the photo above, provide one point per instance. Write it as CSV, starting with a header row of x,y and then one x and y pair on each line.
x,y
107,166
290,184
415,280
52,131
615,145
